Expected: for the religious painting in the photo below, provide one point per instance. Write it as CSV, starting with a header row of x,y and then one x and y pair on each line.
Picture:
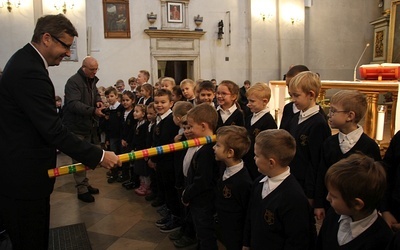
x,y
174,12
116,19
394,36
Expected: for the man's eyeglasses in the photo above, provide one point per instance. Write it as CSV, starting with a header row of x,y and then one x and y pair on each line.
x,y
66,46
332,111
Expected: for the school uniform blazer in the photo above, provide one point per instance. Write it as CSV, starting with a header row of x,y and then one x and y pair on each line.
x,y
31,129
309,136
236,118
331,153
264,123
376,237
392,163
148,101
282,220
202,177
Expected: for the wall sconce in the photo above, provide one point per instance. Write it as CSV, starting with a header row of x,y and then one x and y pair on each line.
x,y
63,6
265,16
9,4
294,19
220,30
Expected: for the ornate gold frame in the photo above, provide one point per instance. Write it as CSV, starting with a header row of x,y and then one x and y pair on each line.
x,y
116,19
394,39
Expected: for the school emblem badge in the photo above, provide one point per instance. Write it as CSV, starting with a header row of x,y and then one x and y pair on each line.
x,y
157,130
256,132
269,217
303,140
227,192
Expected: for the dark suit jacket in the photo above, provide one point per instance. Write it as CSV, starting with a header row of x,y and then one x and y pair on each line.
x,y
32,129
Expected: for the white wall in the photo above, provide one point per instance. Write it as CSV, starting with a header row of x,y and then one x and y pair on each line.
x,y
329,38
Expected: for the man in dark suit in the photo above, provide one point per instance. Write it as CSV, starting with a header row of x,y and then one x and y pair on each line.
x,y
31,131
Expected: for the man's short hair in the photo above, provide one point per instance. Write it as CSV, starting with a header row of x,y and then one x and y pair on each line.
x,y
55,25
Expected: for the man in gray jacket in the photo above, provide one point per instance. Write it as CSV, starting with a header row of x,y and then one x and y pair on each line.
x,y
82,109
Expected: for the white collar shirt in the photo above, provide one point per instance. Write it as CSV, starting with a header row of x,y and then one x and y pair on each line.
x,y
270,184
226,113
258,115
348,230
308,113
347,142
230,171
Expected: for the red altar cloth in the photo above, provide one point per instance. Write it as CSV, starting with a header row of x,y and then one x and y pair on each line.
x,y
384,71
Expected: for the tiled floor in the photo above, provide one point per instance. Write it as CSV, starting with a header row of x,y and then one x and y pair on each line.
x,y
118,219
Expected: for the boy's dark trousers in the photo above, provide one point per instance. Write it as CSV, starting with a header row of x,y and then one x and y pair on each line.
x,y
203,219
167,172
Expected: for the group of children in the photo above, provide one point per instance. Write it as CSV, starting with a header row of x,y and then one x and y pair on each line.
x,y
257,186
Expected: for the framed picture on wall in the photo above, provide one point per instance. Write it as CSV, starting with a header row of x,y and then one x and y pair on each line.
x,y
394,35
116,19
174,12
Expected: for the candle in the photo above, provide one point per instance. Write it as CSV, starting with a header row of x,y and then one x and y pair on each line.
x,y
380,123
287,96
276,97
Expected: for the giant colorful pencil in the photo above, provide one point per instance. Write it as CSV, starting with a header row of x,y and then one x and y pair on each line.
x,y
135,155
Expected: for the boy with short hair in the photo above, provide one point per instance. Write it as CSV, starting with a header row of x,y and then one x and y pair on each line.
x,y
356,186
347,108
290,109
187,87
202,176
279,215
233,189
206,93
168,83
164,133
120,86
113,126
309,128
143,77
258,97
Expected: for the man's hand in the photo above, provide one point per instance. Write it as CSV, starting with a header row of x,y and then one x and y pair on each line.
x,y
319,213
110,160
98,112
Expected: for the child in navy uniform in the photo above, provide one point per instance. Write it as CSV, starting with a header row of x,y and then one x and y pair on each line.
x,y
233,189
309,128
113,127
199,193
391,205
348,107
258,97
164,132
229,112
279,215
356,186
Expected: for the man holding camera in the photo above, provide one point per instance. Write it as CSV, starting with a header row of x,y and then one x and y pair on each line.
x,y
82,109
